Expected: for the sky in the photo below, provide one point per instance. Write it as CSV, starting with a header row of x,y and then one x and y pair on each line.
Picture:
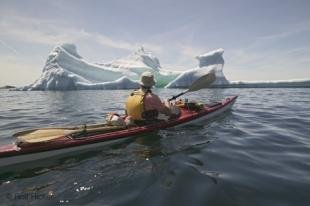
x,y
263,39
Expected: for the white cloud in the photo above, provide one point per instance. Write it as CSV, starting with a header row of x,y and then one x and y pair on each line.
x,y
261,54
8,47
294,29
50,32
16,71
190,51
34,31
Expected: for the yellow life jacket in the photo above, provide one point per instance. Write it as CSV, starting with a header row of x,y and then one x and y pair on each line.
x,y
135,104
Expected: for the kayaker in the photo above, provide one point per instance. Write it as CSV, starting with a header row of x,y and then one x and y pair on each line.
x,y
142,104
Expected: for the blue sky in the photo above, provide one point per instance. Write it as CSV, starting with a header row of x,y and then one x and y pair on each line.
x,y
263,40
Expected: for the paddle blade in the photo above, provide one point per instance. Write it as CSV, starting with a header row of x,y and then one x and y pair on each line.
x,y
43,135
47,134
203,82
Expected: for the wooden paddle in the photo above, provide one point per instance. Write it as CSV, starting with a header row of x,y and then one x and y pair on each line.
x,y
202,82
46,134
60,128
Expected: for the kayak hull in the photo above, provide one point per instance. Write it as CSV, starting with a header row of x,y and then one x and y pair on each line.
x,y
17,159
12,154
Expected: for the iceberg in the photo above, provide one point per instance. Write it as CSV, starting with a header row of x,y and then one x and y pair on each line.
x,y
65,69
209,62
139,60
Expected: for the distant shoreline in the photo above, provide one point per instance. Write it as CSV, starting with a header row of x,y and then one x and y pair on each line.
x,y
210,87
7,87
263,85
296,84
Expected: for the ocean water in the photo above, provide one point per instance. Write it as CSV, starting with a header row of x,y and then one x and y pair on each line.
x,y
256,154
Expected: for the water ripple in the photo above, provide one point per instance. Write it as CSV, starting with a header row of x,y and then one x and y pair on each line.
x,y
256,154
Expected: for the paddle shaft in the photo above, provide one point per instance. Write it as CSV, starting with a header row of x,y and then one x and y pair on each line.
x,y
176,96
25,132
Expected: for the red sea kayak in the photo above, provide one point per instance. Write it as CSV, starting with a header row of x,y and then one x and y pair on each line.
x,y
25,152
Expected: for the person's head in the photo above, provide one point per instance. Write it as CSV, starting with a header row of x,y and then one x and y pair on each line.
x,y
147,80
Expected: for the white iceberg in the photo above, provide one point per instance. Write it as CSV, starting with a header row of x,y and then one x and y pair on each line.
x,y
65,69
211,61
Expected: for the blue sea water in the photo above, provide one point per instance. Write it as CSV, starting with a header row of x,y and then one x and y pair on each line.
x,y
256,154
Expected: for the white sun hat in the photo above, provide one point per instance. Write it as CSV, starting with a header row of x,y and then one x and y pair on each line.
x,y
147,79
